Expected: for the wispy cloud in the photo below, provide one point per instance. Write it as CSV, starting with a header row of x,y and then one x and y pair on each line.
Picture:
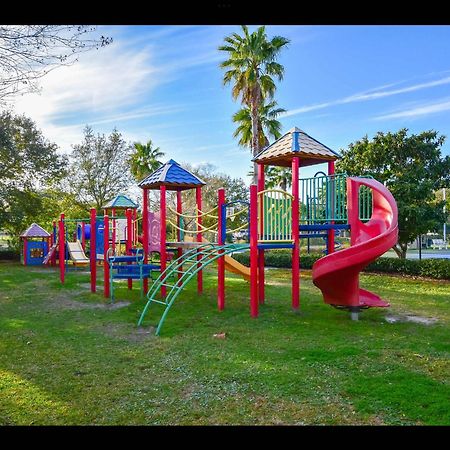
x,y
95,90
372,94
419,111
113,78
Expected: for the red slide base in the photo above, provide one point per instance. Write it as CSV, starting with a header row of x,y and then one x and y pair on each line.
x,y
368,299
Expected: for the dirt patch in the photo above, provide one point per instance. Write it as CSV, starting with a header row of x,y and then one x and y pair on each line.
x,y
278,283
64,302
411,318
129,332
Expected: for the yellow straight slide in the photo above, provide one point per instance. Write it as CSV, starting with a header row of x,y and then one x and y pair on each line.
x,y
236,267
231,264
77,254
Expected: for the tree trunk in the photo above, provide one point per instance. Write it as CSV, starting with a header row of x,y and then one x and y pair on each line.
x,y
401,250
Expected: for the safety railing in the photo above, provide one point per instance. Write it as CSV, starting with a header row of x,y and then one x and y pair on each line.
x,y
274,216
324,199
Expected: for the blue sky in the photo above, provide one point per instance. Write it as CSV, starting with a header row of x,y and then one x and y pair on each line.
x,y
163,83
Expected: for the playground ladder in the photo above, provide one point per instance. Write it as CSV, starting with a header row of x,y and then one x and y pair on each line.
x,y
186,266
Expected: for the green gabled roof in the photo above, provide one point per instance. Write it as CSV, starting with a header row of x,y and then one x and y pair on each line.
x,y
121,202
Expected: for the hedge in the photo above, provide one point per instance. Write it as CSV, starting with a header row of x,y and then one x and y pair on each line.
x,y
9,255
432,268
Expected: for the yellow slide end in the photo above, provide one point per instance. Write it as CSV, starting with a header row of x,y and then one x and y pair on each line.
x,y
77,254
231,264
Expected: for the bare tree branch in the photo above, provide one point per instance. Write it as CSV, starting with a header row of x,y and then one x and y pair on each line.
x,y
29,52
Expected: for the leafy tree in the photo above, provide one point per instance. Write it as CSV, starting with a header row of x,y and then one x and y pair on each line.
x,y
28,52
99,168
29,165
144,160
251,67
440,199
412,168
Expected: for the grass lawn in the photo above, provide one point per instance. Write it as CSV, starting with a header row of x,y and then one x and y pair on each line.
x,y
68,357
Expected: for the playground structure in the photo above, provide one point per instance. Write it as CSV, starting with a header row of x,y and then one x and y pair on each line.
x,y
333,202
36,242
102,238
317,207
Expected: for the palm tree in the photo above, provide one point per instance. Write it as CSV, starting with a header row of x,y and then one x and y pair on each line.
x,y
267,123
268,126
145,159
278,176
251,64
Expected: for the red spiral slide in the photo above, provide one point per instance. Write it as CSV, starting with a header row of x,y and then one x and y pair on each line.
x,y
337,274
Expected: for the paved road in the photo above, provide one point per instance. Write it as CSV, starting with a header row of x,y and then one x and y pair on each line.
x,y
426,254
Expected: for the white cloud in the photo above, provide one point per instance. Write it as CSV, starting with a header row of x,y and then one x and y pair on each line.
x,y
368,95
110,85
423,110
99,86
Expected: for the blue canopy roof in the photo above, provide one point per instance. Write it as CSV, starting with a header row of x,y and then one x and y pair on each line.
x,y
173,176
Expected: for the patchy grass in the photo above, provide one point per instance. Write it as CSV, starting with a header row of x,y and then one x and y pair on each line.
x,y
69,357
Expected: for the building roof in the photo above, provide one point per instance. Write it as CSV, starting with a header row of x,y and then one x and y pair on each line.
x,y
34,230
173,176
295,143
121,202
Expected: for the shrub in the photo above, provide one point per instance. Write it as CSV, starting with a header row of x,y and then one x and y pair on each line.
x,y
9,255
431,268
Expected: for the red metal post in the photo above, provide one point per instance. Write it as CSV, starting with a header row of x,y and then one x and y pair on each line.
x,y
261,277
198,196
105,253
113,223
253,250
129,241
83,239
295,233
54,242
93,250
331,233
62,249
145,232
163,251
50,244
179,211
25,250
353,208
134,231
221,260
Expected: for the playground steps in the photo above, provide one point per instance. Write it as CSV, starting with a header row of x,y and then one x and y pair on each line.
x,y
187,265
50,253
130,267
